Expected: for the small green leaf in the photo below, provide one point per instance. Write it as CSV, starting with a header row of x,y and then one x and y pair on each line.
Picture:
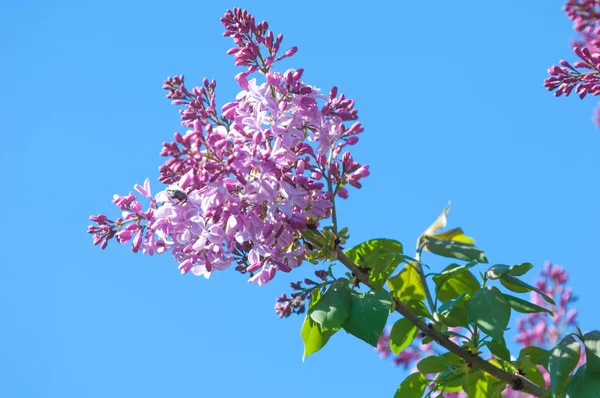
x,y
412,387
531,371
518,286
432,364
368,315
497,271
452,382
592,350
381,255
524,307
584,384
520,269
418,308
453,312
403,333
536,353
312,336
454,249
489,310
333,308
499,350
459,283
455,234
407,284
563,359
451,271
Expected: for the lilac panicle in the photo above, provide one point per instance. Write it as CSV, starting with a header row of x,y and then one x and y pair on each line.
x,y
247,178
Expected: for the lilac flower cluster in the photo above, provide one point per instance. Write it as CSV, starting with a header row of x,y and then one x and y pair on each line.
x,y
582,76
244,181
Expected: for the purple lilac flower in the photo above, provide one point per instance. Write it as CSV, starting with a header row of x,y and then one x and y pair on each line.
x,y
244,181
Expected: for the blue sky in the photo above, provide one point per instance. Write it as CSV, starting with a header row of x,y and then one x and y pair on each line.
x,y
452,99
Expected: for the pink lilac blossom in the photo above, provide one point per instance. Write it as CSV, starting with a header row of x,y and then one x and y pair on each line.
x,y
244,181
582,76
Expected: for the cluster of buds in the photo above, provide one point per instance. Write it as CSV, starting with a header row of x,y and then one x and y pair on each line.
x,y
296,303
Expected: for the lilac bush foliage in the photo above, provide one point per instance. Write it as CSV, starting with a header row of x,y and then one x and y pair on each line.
x,y
244,182
537,329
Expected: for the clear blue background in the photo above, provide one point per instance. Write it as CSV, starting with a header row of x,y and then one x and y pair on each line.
x,y
452,100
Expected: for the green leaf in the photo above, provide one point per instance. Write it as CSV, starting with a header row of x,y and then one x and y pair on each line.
x,y
381,255
455,234
538,355
432,364
312,336
418,308
403,333
459,283
524,307
407,284
333,308
450,382
489,310
480,385
368,315
563,359
453,312
531,371
518,286
499,350
412,387
454,249
520,269
584,384
591,341
451,271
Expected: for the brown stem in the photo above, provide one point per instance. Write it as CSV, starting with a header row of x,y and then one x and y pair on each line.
x,y
516,382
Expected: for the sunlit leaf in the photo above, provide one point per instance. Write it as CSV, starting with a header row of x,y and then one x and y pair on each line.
x,y
459,283
368,315
489,310
454,249
412,387
562,360
455,234
407,284
432,364
333,308
592,350
518,286
524,307
382,256
402,334
439,223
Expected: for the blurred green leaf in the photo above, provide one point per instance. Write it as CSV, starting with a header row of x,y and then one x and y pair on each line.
x,y
453,312
591,340
524,307
412,387
459,283
584,384
455,234
381,255
333,308
312,336
432,364
418,308
489,310
562,360
518,286
368,315
499,350
402,334
407,284
530,370
454,249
